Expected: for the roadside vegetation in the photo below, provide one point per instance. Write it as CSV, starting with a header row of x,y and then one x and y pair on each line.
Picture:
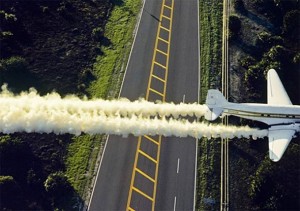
x,y
208,175
71,47
267,37
210,45
263,34
115,47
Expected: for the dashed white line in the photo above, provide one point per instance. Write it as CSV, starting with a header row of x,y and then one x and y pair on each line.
x,y
178,161
175,203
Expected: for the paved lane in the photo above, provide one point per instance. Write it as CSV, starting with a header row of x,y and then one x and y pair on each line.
x,y
114,175
177,161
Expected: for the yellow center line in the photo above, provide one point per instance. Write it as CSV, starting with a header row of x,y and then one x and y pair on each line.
x,y
145,175
156,92
164,28
163,95
160,51
166,17
147,156
160,65
142,193
133,174
168,52
151,139
158,78
166,41
168,7
130,209
156,173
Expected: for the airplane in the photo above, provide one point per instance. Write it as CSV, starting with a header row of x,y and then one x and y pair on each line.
x,y
279,113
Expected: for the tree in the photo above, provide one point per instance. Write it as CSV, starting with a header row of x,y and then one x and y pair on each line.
x,y
291,25
57,184
234,26
14,71
15,158
59,189
11,69
239,6
10,193
273,185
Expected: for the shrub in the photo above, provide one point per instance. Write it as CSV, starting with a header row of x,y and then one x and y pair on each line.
x,y
57,184
247,62
234,26
97,33
13,65
291,24
239,5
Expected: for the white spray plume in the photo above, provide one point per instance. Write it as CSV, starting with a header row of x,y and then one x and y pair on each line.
x,y
29,112
73,105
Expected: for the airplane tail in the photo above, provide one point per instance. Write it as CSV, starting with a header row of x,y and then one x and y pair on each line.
x,y
215,102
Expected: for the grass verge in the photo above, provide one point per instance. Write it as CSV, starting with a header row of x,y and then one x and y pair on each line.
x,y
111,64
208,175
210,45
108,70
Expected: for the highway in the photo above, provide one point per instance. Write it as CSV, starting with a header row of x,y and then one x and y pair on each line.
x,y
178,155
131,179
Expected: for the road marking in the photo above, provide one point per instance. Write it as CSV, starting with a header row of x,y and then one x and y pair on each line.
x,y
131,209
151,139
178,161
168,7
164,28
158,78
161,52
166,41
166,17
137,29
183,98
174,208
163,96
199,85
147,156
103,152
142,193
145,175
153,90
159,64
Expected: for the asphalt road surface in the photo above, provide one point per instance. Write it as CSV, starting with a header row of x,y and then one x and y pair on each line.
x,y
177,162
178,155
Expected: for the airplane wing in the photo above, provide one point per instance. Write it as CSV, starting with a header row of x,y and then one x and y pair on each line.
x,y
279,139
276,92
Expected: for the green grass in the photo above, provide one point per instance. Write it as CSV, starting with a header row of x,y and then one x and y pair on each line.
x,y
210,45
108,70
110,66
81,152
208,175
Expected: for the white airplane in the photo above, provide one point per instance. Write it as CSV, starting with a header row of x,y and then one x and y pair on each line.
x,y
279,113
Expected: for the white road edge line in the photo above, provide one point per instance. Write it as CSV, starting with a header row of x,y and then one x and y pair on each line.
x,y
178,161
174,203
137,28
199,85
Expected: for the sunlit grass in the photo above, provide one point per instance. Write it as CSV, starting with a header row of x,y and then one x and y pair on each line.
x,y
211,61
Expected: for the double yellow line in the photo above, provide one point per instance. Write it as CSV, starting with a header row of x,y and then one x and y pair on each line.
x,y
159,73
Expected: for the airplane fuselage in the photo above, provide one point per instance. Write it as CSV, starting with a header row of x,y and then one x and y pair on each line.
x,y
269,114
